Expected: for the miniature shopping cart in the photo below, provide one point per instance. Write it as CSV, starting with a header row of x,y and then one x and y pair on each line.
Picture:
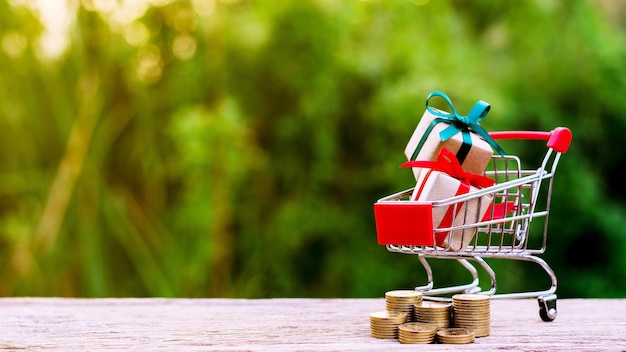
x,y
511,214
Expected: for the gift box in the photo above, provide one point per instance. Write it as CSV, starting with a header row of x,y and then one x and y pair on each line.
x,y
462,135
445,179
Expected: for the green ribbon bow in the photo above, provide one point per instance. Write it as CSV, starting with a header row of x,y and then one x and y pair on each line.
x,y
458,123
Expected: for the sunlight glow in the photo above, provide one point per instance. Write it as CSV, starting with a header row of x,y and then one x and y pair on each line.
x,y
149,64
57,18
204,7
14,44
184,47
136,34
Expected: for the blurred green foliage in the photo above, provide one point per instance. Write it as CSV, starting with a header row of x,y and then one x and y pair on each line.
x,y
236,148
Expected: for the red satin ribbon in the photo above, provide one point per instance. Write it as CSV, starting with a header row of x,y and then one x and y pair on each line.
x,y
448,163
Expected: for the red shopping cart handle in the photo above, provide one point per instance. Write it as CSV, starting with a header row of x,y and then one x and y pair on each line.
x,y
558,139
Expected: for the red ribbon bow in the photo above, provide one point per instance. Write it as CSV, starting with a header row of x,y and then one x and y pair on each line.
x,y
448,163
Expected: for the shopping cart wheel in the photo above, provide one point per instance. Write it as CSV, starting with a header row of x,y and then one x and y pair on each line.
x,y
547,307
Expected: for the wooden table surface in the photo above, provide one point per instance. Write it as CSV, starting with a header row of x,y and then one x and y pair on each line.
x,y
153,324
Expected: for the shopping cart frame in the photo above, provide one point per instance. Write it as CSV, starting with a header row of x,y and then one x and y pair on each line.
x,y
518,197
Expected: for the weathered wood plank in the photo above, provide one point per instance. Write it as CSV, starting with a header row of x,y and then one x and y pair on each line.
x,y
57,324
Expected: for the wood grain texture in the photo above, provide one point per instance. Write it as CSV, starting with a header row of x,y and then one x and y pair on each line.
x,y
148,324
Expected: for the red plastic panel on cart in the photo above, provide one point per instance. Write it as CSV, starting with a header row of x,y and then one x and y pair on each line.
x,y
404,224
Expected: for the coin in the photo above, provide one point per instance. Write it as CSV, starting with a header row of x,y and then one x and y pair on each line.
x,y
386,315
435,306
417,327
380,335
402,301
472,311
416,333
436,313
470,297
456,335
384,324
403,294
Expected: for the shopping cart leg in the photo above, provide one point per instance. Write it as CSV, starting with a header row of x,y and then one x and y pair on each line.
x,y
549,293
546,298
490,272
429,275
428,289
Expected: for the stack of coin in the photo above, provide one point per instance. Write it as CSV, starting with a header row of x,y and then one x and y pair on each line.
x,y
455,335
416,333
472,311
384,324
436,313
403,301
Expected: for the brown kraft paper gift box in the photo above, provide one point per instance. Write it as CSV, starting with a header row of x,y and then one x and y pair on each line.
x,y
435,185
474,162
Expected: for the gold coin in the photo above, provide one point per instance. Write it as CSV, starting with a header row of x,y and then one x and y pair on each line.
x,y
399,309
384,324
433,309
437,324
417,327
456,340
393,327
454,332
408,305
385,329
472,311
461,308
387,316
472,308
423,315
403,294
480,331
382,330
378,336
433,306
470,297
471,303
483,309
426,313
481,322
388,321
471,326
402,301
416,337
456,335
409,341
416,333
466,314
384,333
442,323
470,316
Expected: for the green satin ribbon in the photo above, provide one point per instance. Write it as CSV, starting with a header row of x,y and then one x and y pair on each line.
x,y
458,123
